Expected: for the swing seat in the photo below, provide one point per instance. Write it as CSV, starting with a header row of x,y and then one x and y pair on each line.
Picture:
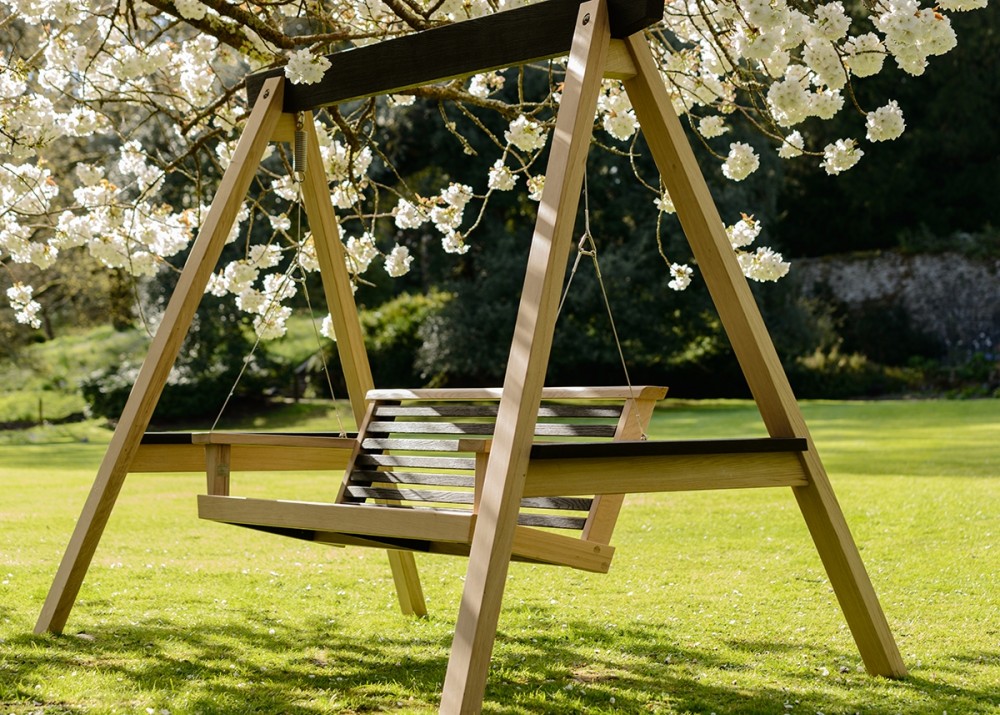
x,y
415,476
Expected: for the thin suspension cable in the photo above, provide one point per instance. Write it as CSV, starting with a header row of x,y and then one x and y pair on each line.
x,y
586,246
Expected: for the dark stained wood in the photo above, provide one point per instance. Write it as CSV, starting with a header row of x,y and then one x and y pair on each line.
x,y
652,448
429,479
458,409
543,429
415,445
413,460
514,37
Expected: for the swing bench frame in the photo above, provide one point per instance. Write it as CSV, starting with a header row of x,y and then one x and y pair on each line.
x,y
603,38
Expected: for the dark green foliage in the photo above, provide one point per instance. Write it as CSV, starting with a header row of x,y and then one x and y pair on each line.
x,y
210,361
392,336
941,177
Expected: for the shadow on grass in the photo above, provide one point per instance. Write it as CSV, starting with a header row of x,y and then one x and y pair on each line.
x,y
325,666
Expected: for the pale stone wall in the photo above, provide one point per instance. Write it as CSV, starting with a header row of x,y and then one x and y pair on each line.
x,y
952,297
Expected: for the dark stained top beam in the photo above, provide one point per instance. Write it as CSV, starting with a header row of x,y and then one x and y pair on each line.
x,y
514,37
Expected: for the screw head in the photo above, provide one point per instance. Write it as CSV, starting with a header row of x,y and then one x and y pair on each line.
x,y
586,19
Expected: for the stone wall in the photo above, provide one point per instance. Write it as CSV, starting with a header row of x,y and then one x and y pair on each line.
x,y
951,297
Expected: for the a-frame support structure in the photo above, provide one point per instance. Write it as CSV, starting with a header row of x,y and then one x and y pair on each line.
x,y
593,54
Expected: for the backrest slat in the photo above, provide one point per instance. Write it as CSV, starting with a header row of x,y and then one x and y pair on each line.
x,y
397,466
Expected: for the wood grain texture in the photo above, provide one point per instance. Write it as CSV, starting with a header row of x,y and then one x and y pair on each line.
x,y
273,439
526,34
163,352
765,376
160,458
492,543
550,548
350,519
637,475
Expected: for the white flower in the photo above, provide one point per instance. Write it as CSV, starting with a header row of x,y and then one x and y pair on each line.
x,y
763,265
526,134
271,324
397,263
361,252
743,232
191,9
281,222
840,156
865,54
326,328
665,204
26,309
481,85
457,195
620,125
885,123
306,68
536,185
454,242
681,274
831,20
407,215
793,146
741,162
501,177
712,126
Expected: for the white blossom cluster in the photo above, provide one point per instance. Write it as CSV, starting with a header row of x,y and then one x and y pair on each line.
x,y
108,110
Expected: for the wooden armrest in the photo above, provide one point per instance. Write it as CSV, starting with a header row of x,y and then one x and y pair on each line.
x,y
274,439
658,448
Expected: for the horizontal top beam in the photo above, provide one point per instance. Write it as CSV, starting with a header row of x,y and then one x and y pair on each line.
x,y
506,39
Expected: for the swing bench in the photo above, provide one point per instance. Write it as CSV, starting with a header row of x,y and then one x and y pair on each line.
x,y
503,474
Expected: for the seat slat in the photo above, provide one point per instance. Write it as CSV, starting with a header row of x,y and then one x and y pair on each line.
x,y
423,478
415,460
542,429
553,522
438,496
424,445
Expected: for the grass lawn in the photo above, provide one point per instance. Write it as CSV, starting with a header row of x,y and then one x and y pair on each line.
x,y
716,602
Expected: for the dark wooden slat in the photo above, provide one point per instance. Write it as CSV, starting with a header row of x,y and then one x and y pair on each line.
x,y
424,478
414,460
415,445
542,429
652,448
514,37
438,496
554,522
462,428
458,409
445,409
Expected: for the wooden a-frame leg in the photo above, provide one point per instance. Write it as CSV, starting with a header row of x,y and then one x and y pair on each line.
x,y
163,352
753,347
499,504
347,326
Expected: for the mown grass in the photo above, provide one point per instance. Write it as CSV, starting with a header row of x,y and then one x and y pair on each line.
x,y
716,602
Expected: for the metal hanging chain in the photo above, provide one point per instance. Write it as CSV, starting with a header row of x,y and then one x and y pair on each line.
x,y
586,246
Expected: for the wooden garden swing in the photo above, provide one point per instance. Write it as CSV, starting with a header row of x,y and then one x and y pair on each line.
x,y
461,471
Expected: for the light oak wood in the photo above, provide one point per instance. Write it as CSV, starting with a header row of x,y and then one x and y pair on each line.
x,y
360,519
347,326
163,352
636,475
490,553
276,440
604,513
619,64
218,460
549,548
738,312
159,458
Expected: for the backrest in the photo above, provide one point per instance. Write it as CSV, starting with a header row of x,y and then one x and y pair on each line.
x,y
428,448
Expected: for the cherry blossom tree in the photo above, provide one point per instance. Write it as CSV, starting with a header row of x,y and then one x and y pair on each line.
x,y
117,119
